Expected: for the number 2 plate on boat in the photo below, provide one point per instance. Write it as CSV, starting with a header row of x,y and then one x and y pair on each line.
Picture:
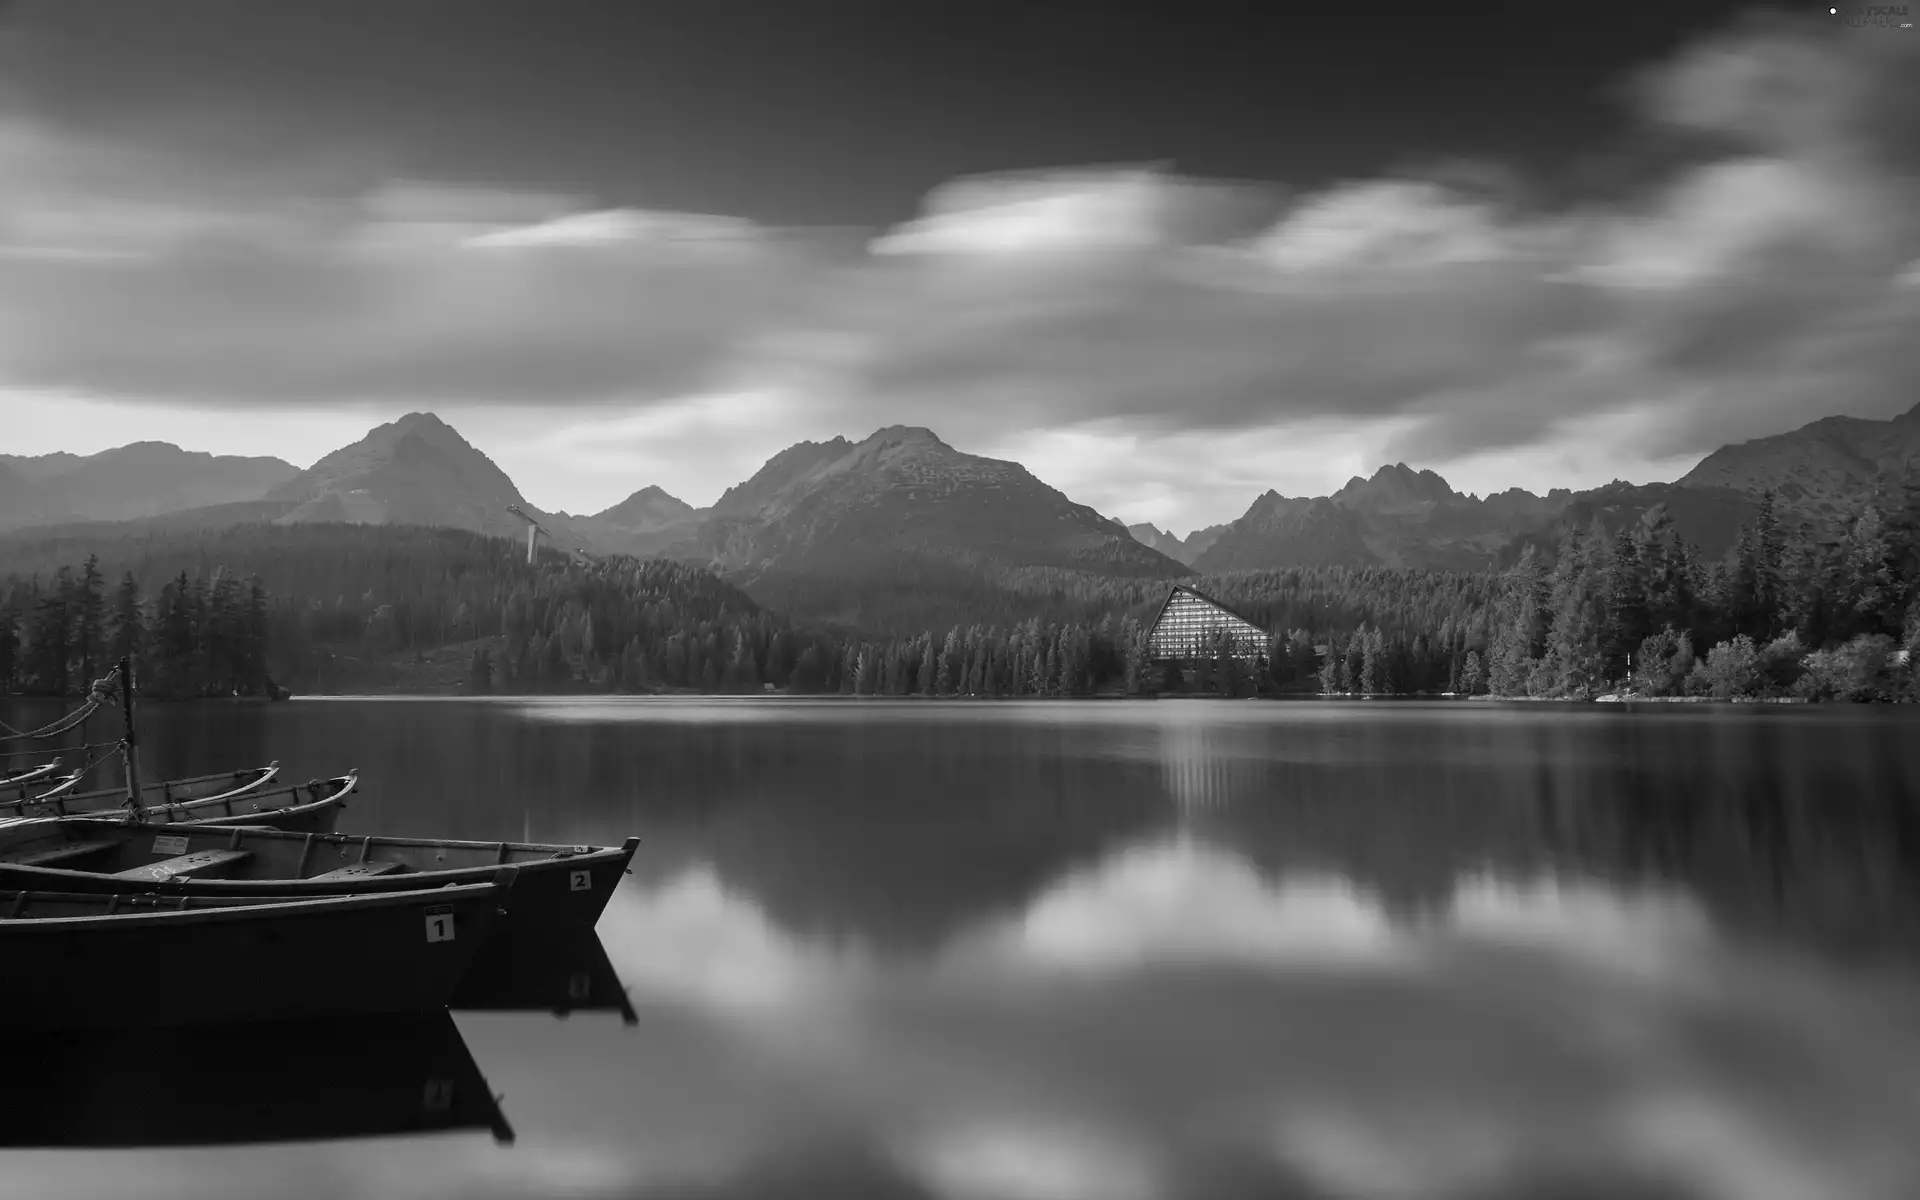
x,y
170,844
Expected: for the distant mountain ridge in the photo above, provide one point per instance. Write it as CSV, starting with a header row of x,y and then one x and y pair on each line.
x,y
649,508
1823,469
840,506
1155,538
417,470
1398,518
141,479
902,508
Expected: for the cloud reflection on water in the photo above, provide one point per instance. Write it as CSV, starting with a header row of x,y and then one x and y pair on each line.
x,y
1192,952
1168,1023
1233,1020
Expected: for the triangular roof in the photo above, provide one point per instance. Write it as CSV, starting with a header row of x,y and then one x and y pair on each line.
x,y
1197,594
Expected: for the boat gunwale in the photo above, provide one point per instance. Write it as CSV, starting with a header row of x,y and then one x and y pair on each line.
x,y
324,905
264,775
417,881
346,784
579,850
30,774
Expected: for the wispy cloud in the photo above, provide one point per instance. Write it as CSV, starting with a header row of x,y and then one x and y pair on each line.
x,y
1437,318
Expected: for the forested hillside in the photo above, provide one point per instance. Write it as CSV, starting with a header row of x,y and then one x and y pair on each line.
x,y
338,606
343,608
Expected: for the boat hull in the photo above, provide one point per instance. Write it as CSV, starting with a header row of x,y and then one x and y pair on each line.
x,y
548,892
337,956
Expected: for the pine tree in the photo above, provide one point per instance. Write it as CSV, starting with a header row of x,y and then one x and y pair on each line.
x,y
1330,667
1626,601
49,648
1521,626
1472,675
1579,603
89,634
9,648
127,634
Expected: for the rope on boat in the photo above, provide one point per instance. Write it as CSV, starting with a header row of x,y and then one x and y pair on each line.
x,y
43,751
96,696
112,748
45,732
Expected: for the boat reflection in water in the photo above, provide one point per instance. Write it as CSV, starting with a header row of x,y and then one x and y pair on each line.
x,y
403,1075
560,971
237,1084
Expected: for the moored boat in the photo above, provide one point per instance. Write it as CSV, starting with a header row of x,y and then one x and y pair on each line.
x,y
557,885
104,961
408,1073
302,807
63,798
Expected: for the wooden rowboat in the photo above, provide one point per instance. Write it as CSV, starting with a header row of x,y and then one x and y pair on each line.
x,y
104,961
63,799
557,886
229,1085
17,784
304,807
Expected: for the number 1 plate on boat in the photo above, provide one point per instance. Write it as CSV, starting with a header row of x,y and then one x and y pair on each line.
x,y
440,923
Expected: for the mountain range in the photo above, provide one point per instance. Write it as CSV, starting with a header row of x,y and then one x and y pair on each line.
x,y
1824,469
902,503
144,479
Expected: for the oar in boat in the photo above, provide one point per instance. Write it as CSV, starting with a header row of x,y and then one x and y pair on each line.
x,y
304,807
102,961
225,1085
558,886
64,798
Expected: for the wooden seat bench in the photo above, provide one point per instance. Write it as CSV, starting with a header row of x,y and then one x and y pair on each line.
x,y
360,870
200,862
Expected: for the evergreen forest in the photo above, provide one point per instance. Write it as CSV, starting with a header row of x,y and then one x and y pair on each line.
x,y
1793,610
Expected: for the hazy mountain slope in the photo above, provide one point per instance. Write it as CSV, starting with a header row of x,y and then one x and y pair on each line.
x,y
1159,539
1825,469
649,508
1398,518
16,492
646,522
39,466
1709,518
1198,541
1282,531
143,479
417,470
903,494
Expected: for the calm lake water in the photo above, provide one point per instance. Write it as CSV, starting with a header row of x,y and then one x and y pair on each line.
x,y
1049,950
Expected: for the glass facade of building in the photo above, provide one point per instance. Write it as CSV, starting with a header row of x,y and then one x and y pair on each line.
x,y
1190,624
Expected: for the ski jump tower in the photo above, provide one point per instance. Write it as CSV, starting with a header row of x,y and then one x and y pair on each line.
x,y
534,529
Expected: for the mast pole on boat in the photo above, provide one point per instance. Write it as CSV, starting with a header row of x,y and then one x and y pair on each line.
x,y
129,745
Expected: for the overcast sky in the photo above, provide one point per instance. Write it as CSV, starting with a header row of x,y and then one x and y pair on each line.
x,y
1168,263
